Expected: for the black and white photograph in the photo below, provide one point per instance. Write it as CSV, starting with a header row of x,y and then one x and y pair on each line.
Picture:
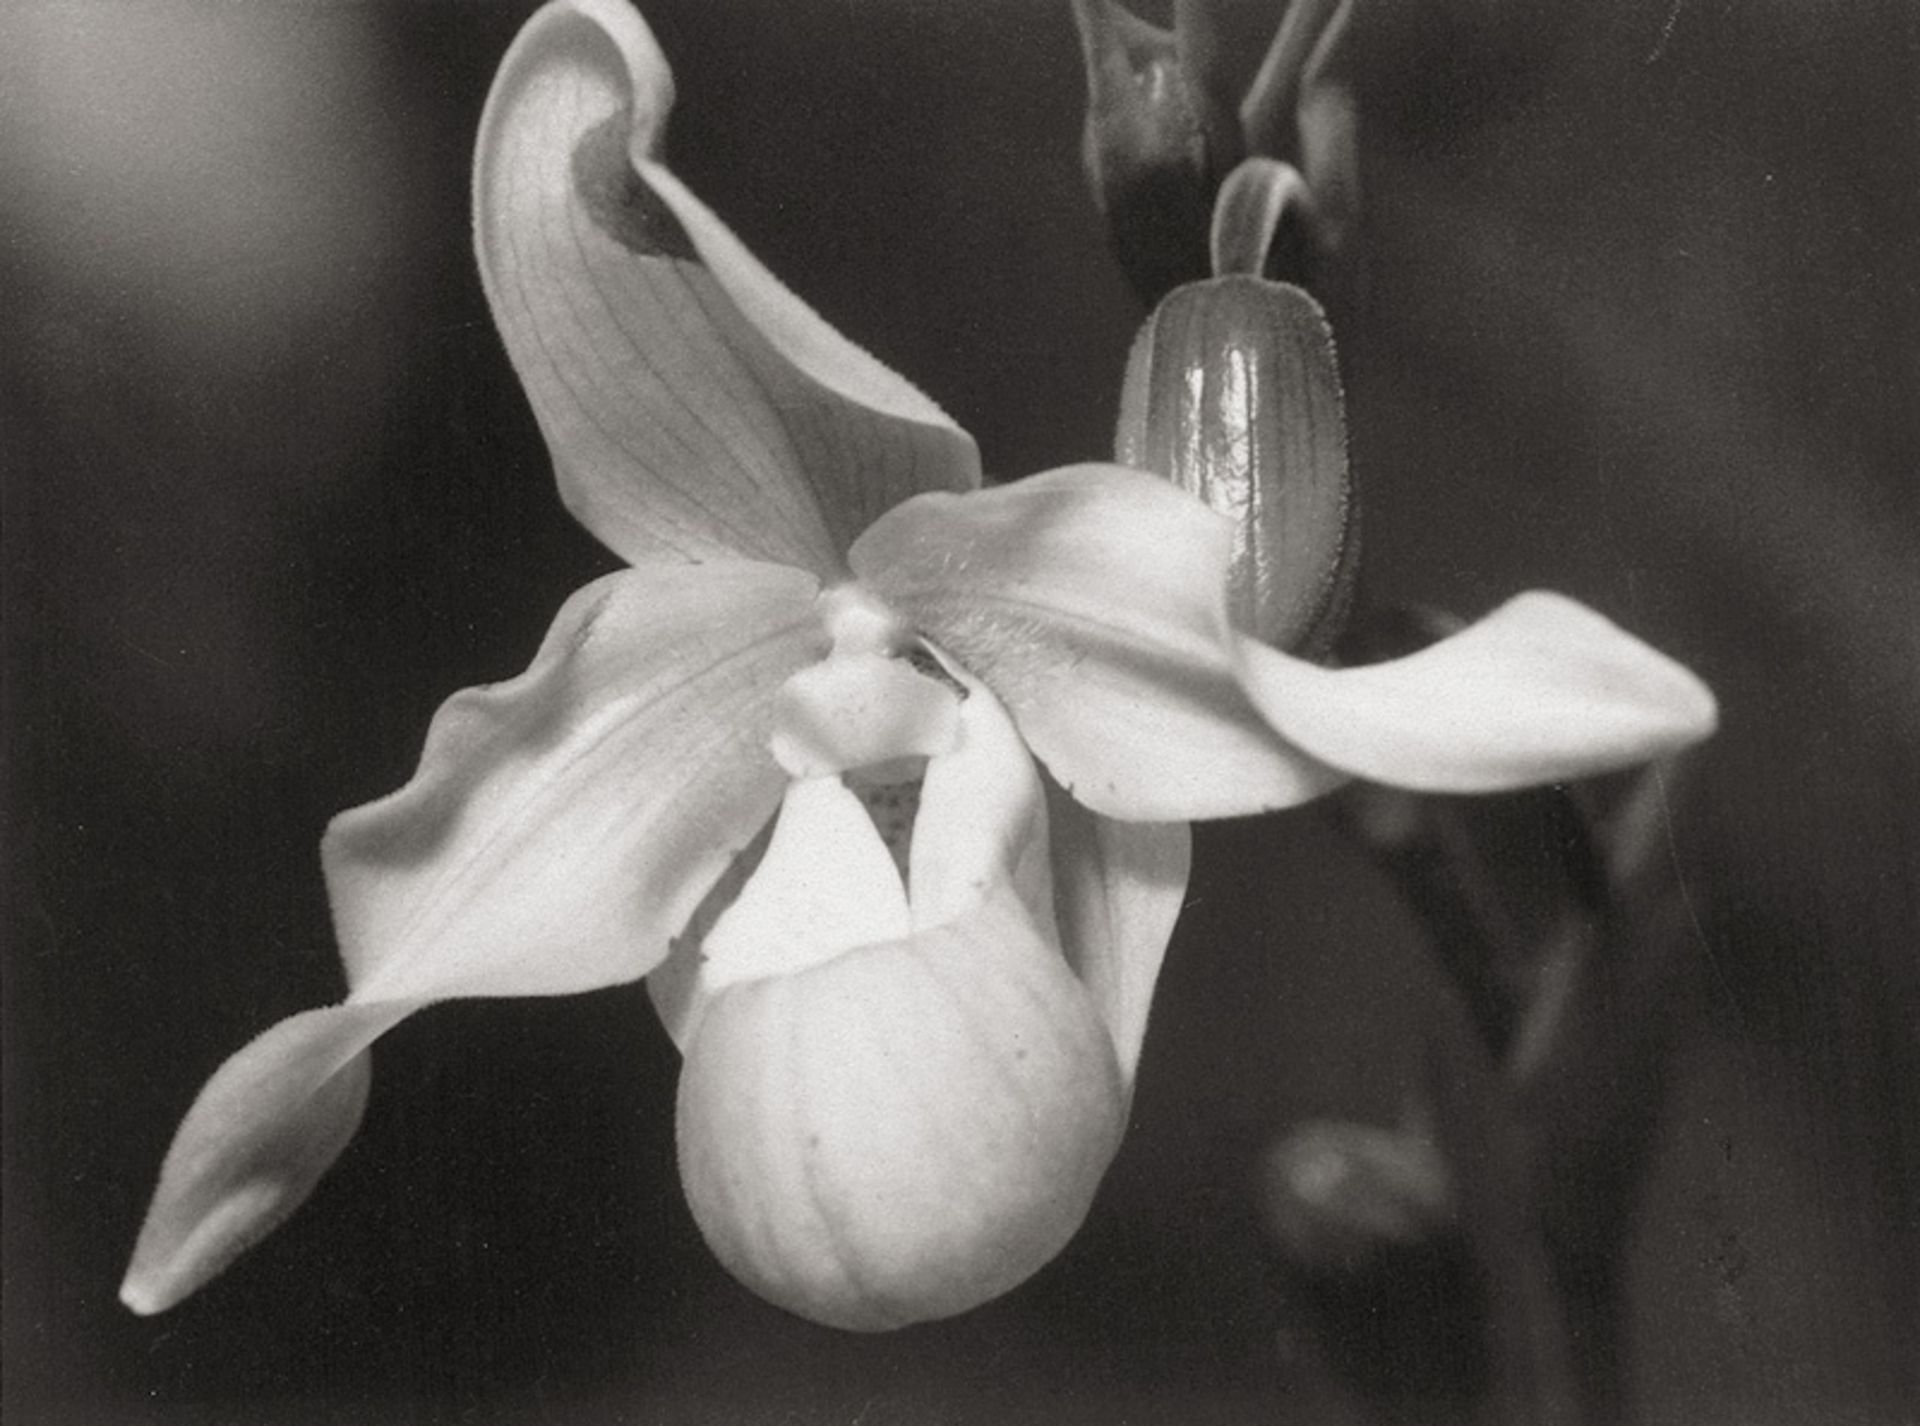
x,y
895,713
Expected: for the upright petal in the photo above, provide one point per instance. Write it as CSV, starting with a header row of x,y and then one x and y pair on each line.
x,y
1541,690
1092,601
564,825
694,407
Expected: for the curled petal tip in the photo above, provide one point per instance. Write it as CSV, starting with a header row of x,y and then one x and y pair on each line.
x,y
598,24
167,1272
1675,706
652,343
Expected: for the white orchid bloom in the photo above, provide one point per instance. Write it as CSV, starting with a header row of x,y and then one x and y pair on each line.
x,y
904,1073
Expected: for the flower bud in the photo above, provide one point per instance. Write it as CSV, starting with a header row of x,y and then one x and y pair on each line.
x,y
904,1131
1339,1195
1157,141
1233,394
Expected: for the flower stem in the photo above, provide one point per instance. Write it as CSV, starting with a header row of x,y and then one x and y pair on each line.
x,y
1532,1378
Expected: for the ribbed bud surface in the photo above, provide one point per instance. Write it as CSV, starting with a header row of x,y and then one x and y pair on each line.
x,y
1233,393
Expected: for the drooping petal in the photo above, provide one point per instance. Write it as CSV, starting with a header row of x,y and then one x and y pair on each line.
x,y
694,407
268,1124
564,825
1092,601
1541,690
1118,889
561,828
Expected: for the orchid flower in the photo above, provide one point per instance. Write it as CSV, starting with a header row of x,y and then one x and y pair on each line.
x,y
788,765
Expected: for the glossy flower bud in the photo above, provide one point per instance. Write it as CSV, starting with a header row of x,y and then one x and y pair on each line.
x,y
1232,393
901,1132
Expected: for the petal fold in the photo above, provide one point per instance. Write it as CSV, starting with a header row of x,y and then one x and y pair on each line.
x,y
1092,601
1541,690
268,1124
982,821
563,826
694,407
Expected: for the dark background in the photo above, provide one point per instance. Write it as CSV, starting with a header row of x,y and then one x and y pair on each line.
x,y
1639,319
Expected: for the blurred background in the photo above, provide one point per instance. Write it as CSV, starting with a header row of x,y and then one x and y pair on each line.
x,y
1638,319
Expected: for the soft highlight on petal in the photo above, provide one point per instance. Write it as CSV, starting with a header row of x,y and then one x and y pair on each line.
x,y
563,826
694,408
268,1124
1541,690
826,885
1092,601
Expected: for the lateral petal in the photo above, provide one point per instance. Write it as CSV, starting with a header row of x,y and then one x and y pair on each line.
x,y
1092,601
563,826
1118,890
694,407
1541,690
268,1124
